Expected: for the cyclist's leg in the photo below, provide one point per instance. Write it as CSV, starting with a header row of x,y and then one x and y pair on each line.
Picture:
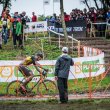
x,y
26,73
29,78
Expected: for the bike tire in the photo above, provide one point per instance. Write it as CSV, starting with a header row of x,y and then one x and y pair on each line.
x,y
47,87
13,88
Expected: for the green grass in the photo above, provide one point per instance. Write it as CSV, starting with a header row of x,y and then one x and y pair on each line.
x,y
51,52
30,48
80,86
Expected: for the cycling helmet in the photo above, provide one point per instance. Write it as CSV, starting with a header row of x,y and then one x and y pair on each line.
x,y
39,54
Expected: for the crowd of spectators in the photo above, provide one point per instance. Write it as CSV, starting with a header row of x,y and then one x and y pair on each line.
x,y
93,15
14,24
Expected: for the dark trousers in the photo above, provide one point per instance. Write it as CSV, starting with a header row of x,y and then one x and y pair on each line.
x,y
14,39
20,39
5,35
63,89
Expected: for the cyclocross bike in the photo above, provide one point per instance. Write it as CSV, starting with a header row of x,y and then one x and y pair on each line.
x,y
41,86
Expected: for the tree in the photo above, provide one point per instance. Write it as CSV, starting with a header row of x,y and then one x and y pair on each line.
x,y
41,18
105,3
63,22
96,4
85,2
5,3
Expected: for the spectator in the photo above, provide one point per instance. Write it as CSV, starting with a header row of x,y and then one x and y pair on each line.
x,y
73,15
14,25
0,33
62,68
101,17
34,17
8,13
108,16
23,21
27,19
66,17
92,15
19,32
16,15
5,21
22,17
53,19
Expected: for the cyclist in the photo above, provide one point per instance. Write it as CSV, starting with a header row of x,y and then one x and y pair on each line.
x,y
23,68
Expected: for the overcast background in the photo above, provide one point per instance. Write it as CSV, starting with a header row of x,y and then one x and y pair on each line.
x,y
37,6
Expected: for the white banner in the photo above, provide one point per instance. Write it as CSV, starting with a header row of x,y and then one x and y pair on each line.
x,y
81,69
36,27
89,51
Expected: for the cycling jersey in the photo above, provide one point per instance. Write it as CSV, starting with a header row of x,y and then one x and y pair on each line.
x,y
24,69
29,60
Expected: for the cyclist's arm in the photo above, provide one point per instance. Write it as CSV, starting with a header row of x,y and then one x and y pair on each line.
x,y
37,66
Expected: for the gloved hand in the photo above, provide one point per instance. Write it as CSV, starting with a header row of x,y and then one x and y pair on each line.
x,y
46,70
44,73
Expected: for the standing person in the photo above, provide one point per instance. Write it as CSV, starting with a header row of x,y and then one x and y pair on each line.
x,y
62,68
34,17
19,32
0,33
23,21
14,25
5,21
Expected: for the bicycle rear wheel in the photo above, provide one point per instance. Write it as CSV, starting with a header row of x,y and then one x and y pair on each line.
x,y
13,88
47,87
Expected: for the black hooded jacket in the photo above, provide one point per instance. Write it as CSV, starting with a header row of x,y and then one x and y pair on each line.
x,y
62,66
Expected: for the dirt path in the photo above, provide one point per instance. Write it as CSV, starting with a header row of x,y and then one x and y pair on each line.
x,y
55,106
46,103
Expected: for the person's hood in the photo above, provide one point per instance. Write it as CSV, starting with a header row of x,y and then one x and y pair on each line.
x,y
65,56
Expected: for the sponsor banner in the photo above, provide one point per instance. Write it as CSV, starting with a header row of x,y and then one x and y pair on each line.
x,y
89,51
75,27
35,27
81,69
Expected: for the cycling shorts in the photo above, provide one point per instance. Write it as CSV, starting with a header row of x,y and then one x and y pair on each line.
x,y
25,71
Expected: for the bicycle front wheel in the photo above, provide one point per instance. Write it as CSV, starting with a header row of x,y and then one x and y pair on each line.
x,y
47,87
13,88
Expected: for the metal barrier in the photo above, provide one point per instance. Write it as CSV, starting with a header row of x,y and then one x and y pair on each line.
x,y
97,86
99,28
70,37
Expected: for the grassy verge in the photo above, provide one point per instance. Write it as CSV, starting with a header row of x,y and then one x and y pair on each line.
x,y
79,87
53,105
31,47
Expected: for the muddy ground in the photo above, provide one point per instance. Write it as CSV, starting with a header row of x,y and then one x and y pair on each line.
x,y
52,105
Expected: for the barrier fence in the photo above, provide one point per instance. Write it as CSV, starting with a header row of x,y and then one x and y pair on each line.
x,y
72,39
84,81
79,28
100,29
87,78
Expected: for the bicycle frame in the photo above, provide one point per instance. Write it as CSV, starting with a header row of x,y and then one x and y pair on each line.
x,y
36,82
